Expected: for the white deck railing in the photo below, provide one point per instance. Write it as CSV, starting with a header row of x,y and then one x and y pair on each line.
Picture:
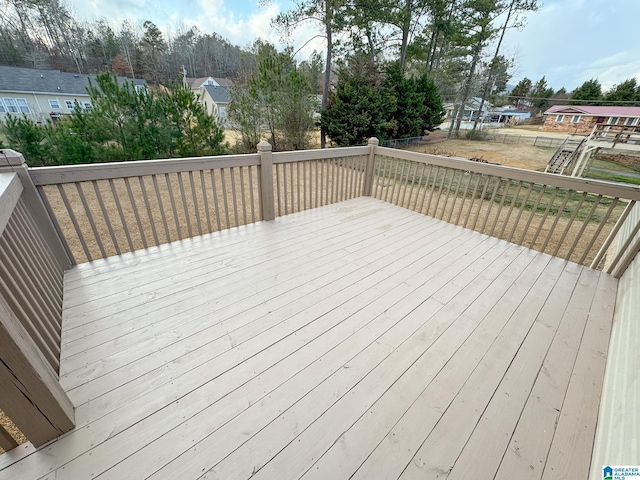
x,y
64,215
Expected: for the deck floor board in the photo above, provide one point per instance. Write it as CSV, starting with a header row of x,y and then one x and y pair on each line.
x,y
356,340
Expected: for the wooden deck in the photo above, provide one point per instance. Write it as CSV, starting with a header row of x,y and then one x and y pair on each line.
x,y
357,340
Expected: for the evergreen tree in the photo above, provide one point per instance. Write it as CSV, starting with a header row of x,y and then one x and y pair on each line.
x,y
521,92
539,93
589,90
626,91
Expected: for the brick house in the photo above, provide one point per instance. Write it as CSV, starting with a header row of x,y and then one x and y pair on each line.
x,y
582,118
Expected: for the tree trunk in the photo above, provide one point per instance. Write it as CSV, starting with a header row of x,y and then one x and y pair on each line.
x,y
406,27
487,85
467,87
327,69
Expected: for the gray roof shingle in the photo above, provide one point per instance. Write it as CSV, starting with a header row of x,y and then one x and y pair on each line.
x,y
218,94
19,79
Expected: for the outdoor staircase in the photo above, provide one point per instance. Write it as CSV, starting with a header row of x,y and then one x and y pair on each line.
x,y
566,154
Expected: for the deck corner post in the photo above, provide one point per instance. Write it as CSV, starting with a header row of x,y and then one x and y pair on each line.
x,y
13,161
266,180
31,394
367,186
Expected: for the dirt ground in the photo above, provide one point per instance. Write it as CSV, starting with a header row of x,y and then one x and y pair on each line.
x,y
519,155
11,429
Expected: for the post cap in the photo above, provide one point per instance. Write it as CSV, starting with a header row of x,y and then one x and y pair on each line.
x,y
264,146
10,157
374,141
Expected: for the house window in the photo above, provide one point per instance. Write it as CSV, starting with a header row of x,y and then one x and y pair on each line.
x,y
87,105
69,104
575,119
2,109
54,104
613,120
629,122
23,105
560,118
222,112
11,105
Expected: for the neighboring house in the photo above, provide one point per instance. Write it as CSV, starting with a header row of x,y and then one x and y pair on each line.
x,y
508,115
45,94
470,109
213,93
582,118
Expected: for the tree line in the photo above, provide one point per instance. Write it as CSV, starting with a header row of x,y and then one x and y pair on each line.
x,y
539,96
46,34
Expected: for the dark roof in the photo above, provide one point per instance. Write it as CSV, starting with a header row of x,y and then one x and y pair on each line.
x,y
18,79
596,110
218,94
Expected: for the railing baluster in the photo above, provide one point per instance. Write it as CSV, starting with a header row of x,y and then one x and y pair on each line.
x,y
433,189
585,222
149,213
520,210
224,198
395,180
125,227
134,206
163,216
464,196
513,202
555,221
259,186
544,216
106,217
484,192
601,225
315,166
422,167
174,209
196,207
244,203
298,182
413,184
234,196
74,221
439,195
304,186
491,202
185,205
570,223
473,198
446,199
253,213
277,169
455,195
286,196
293,205
216,205
426,187
406,184
381,179
533,213
334,180
205,199
92,224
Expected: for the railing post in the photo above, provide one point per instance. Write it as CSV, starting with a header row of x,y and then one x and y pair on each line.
x,y
367,186
30,395
266,180
12,161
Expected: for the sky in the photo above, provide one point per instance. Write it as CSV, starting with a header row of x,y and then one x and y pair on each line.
x,y
567,41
